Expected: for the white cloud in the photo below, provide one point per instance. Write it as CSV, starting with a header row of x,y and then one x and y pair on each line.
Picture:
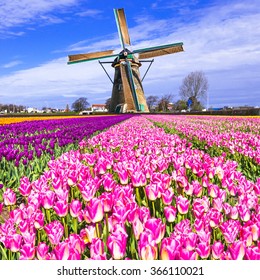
x,y
90,13
12,64
17,12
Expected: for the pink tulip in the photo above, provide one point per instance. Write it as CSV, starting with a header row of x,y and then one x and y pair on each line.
x,y
62,251
16,215
203,249
217,250
198,209
138,228
182,181
230,230
88,234
170,213
76,242
213,190
48,199
108,182
197,188
95,209
107,199
218,204
54,231
61,207
27,252
244,213
167,196
169,249
15,242
25,186
116,244
190,241
152,192
75,208
42,250
147,247
138,179
215,218
123,176
39,219
97,248
188,255
237,250
148,251
252,253
156,227
9,197
182,204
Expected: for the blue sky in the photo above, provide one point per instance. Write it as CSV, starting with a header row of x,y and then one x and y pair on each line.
x,y
221,38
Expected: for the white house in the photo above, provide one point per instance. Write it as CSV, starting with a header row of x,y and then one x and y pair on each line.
x,y
98,108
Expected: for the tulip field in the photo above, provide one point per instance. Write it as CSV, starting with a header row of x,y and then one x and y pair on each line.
x,y
141,187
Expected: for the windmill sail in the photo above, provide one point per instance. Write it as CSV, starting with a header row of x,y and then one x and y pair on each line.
x,y
159,50
75,58
122,27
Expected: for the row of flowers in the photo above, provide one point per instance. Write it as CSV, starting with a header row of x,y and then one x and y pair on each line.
x,y
134,192
10,120
26,147
238,137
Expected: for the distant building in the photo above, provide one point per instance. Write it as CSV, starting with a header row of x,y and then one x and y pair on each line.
x,y
99,108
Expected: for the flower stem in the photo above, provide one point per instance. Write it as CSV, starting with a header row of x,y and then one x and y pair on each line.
x,y
75,225
97,230
65,227
138,198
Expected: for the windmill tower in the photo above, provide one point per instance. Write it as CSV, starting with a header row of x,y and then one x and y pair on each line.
x,y
127,94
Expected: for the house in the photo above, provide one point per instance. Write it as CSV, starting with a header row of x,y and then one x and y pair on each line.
x,y
99,108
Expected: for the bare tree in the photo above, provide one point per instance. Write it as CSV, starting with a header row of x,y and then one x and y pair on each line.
x,y
151,101
194,87
164,102
80,104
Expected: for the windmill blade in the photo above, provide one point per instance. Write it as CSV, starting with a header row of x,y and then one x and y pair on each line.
x,y
122,27
128,81
159,50
75,58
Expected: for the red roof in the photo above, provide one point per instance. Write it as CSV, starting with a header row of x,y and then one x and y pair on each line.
x,y
98,105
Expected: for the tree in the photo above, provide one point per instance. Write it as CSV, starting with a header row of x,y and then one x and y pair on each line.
x,y
164,102
107,104
80,104
181,105
194,87
151,101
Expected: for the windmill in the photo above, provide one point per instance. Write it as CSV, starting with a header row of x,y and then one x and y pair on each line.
x,y
127,93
